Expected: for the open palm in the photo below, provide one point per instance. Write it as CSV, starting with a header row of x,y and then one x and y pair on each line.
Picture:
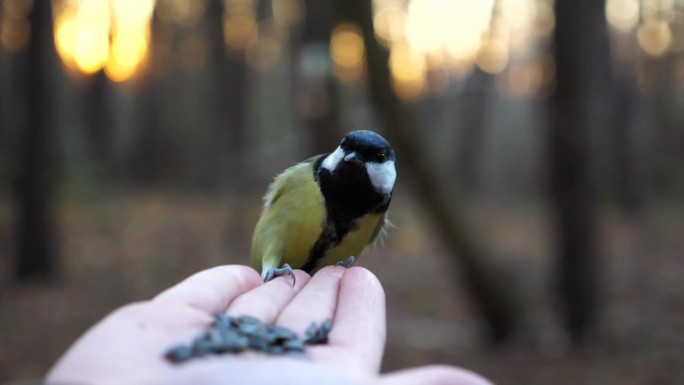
x,y
128,345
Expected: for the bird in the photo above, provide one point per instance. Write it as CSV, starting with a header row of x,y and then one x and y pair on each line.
x,y
326,209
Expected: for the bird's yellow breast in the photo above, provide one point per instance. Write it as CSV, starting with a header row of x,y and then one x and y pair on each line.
x,y
354,242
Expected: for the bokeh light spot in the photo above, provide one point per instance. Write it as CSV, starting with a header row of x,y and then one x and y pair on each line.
x,y
623,15
408,68
14,33
654,37
348,53
492,56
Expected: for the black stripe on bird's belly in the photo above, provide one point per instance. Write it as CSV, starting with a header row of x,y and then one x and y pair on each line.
x,y
348,196
325,241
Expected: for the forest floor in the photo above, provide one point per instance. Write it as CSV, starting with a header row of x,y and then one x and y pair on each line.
x,y
119,249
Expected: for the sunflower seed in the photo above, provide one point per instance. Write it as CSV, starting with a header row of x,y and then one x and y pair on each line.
x,y
223,321
246,319
179,354
326,327
312,330
202,345
259,342
316,335
276,349
279,333
295,345
235,334
234,341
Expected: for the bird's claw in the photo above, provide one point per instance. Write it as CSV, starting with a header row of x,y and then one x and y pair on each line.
x,y
348,263
272,273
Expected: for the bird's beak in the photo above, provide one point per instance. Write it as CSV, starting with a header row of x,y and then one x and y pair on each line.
x,y
354,159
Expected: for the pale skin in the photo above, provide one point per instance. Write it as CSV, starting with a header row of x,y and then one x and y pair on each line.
x,y
127,347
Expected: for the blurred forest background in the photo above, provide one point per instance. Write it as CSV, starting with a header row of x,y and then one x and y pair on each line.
x,y
539,214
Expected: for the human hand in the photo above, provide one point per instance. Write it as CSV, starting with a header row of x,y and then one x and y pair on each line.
x,y
128,346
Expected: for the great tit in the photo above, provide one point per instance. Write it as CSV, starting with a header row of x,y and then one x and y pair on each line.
x,y
327,209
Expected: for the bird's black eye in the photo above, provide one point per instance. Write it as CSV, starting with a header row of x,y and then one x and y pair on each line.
x,y
380,157
343,144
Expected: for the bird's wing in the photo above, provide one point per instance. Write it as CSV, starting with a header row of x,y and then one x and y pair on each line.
x,y
291,219
276,189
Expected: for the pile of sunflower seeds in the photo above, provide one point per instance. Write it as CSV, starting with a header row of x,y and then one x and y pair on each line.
x,y
232,335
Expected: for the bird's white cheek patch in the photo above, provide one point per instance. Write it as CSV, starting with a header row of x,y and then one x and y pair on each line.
x,y
333,160
382,176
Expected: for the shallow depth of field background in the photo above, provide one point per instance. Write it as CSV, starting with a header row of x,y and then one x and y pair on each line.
x,y
539,220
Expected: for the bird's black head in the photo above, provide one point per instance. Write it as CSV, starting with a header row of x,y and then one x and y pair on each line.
x,y
367,147
360,172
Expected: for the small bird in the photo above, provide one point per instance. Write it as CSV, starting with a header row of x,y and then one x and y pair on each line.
x,y
327,209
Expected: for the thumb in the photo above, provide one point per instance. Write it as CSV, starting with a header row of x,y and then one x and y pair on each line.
x,y
433,375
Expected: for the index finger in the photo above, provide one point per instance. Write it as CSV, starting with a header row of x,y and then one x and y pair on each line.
x,y
211,291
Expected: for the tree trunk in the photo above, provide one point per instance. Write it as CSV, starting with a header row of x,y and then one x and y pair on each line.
x,y
627,157
98,121
229,98
153,148
474,102
489,293
316,93
34,186
576,111
666,149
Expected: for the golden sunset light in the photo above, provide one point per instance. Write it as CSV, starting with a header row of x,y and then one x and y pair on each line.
x,y
409,70
623,15
348,53
239,24
91,35
494,34
453,36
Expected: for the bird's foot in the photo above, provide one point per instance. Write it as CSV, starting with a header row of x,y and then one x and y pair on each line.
x,y
270,273
348,263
